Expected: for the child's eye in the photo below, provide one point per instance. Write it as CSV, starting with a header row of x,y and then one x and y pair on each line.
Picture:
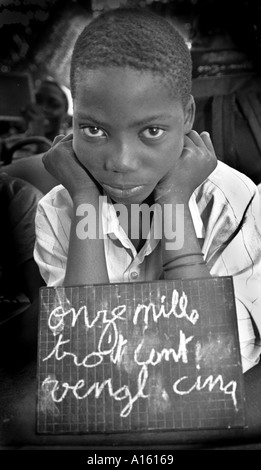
x,y
153,133
93,131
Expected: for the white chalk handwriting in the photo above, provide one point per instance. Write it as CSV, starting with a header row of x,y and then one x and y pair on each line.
x,y
148,312
139,352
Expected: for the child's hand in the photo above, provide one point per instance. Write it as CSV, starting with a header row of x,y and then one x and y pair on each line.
x,y
196,163
61,162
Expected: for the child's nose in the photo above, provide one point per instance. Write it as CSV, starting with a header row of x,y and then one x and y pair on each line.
x,y
123,158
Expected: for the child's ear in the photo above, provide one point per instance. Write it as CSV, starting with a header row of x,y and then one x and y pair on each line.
x,y
189,113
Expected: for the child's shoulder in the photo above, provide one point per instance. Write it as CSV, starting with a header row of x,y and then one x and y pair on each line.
x,y
226,193
227,183
57,197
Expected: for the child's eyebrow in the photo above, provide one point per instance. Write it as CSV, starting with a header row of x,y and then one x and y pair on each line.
x,y
140,122
87,117
147,120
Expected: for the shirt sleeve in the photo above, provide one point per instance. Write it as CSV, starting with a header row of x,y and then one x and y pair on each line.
x,y
232,247
52,227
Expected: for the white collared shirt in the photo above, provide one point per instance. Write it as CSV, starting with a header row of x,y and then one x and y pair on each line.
x,y
226,214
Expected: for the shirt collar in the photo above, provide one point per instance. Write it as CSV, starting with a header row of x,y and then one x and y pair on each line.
x,y
110,221
195,214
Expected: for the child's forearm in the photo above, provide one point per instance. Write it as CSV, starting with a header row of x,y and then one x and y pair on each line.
x,y
86,262
196,162
186,262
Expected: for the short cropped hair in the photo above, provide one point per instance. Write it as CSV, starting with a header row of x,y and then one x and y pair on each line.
x,y
135,38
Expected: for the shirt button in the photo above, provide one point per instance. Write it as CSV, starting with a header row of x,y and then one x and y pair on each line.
x,y
134,275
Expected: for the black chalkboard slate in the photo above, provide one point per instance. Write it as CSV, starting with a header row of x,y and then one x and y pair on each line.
x,y
139,356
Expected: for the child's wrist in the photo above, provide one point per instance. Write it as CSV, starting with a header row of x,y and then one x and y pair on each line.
x,y
87,195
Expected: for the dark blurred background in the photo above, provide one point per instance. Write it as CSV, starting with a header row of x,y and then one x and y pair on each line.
x,y
37,37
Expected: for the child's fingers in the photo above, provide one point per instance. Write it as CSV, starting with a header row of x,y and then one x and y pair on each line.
x,y
194,137
62,137
207,141
191,144
194,141
68,137
57,139
199,139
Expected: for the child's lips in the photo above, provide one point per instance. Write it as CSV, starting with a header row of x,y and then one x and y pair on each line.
x,y
124,190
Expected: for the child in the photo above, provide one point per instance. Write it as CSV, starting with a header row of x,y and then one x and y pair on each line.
x,y
133,142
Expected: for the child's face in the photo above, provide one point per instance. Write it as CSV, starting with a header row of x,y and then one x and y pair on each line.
x,y
128,130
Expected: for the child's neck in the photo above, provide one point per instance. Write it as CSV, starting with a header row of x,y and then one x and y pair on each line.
x,y
137,226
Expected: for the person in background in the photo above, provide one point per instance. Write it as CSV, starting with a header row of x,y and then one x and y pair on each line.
x,y
48,116
20,279
133,143
19,274
226,48
44,120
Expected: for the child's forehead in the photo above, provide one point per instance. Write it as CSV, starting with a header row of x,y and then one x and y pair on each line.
x,y
123,95
126,75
